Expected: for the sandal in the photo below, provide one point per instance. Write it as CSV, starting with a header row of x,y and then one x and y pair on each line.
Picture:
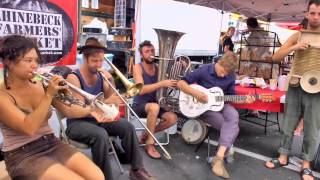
x,y
152,152
306,171
276,164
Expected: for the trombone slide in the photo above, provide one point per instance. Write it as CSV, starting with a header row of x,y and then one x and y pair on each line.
x,y
166,154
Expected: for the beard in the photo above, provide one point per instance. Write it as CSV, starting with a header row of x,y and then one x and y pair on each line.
x,y
147,61
93,71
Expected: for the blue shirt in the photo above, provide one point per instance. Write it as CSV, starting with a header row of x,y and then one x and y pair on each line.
x,y
206,76
94,90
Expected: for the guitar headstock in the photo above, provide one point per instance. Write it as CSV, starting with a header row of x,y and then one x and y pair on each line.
x,y
266,97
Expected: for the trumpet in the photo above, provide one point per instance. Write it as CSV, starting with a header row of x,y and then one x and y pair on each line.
x,y
110,111
132,86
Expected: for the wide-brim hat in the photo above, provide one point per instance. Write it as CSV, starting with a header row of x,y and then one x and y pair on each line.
x,y
92,43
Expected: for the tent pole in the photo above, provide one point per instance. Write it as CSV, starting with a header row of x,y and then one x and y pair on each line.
x,y
138,30
221,21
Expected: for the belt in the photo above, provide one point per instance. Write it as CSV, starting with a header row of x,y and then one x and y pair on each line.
x,y
44,137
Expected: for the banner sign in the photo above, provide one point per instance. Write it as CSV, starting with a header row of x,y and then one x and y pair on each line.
x,y
52,23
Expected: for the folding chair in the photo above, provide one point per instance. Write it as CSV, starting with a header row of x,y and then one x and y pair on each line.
x,y
63,136
171,130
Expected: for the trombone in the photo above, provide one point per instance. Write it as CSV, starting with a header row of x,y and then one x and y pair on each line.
x,y
132,90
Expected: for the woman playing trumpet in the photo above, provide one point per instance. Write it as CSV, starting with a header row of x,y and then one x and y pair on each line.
x,y
31,151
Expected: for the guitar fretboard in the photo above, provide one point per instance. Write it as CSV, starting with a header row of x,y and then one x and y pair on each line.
x,y
234,98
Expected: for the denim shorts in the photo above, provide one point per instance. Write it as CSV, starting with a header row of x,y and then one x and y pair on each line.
x,y
31,160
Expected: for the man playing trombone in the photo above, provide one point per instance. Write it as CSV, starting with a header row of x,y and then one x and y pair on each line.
x,y
88,130
145,104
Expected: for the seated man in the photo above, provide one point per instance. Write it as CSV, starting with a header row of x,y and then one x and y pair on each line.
x,y
145,104
88,130
220,75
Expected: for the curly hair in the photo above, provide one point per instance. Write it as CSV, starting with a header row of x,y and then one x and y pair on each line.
x,y
143,44
12,48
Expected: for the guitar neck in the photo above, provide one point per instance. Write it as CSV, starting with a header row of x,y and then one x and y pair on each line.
x,y
234,98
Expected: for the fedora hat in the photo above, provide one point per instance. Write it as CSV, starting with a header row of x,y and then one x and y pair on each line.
x,y
92,43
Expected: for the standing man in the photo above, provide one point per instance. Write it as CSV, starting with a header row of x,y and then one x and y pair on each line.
x,y
220,74
88,130
257,38
299,102
145,104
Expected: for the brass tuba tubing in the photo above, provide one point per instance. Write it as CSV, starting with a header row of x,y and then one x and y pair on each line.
x,y
168,41
167,155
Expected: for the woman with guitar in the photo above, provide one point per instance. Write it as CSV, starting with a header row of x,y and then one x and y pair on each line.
x,y
226,120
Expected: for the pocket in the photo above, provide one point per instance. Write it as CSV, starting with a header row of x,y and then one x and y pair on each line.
x,y
12,162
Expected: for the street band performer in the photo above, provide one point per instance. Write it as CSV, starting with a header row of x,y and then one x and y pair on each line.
x,y
220,74
94,133
145,104
31,151
299,103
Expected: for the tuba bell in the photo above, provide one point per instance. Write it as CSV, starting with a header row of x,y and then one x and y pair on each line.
x,y
170,67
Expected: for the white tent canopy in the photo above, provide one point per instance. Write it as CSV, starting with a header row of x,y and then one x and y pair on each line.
x,y
266,10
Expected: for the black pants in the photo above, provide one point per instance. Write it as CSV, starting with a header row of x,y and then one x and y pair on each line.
x,y
96,135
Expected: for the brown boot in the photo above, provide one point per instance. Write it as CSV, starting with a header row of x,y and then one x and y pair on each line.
x,y
218,167
141,174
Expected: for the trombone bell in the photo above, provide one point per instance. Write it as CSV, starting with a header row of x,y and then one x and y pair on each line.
x,y
132,89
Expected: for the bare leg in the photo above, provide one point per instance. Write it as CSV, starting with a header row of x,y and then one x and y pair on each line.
x,y
152,110
63,173
169,119
89,172
221,151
